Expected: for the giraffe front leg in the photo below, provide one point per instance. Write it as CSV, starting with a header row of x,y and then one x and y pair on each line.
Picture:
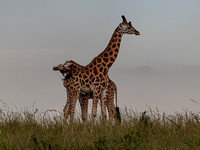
x,y
73,98
83,99
103,107
66,110
94,105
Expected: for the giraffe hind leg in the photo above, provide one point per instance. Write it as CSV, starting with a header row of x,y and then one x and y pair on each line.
x,y
110,112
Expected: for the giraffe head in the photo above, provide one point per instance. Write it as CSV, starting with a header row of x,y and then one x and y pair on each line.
x,y
127,28
64,69
61,67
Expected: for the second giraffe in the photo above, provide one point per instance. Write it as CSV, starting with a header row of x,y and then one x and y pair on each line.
x,y
84,97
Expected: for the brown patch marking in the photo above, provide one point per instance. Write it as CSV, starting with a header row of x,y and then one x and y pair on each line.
x,y
95,71
105,59
114,45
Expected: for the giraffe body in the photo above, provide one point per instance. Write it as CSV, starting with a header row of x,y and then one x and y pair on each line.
x,y
84,97
94,77
109,103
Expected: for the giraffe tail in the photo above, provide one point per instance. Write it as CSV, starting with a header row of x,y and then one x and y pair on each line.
x,y
118,115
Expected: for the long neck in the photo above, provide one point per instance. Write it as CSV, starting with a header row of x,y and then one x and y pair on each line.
x,y
109,55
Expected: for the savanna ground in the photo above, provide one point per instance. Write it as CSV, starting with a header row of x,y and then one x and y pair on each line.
x,y
31,129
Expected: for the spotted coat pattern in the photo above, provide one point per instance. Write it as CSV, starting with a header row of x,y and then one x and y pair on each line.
x,y
84,97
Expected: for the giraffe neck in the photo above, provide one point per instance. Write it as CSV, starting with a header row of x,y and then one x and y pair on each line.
x,y
109,55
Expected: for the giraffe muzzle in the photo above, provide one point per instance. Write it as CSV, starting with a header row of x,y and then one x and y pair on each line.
x,y
137,32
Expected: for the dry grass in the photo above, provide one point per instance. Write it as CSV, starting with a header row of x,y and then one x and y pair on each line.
x,y
32,129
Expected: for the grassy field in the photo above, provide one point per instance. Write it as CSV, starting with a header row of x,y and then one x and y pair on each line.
x,y
35,130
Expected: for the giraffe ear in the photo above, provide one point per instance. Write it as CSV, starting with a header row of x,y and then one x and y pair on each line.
x,y
124,19
67,63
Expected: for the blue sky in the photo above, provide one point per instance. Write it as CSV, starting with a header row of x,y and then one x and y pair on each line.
x,y
36,35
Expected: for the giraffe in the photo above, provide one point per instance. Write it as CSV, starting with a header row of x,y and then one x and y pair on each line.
x,y
94,77
84,97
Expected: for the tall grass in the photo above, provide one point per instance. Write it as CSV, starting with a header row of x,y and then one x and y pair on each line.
x,y
33,129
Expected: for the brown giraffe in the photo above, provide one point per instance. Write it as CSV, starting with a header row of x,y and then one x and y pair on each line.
x,y
93,77
84,97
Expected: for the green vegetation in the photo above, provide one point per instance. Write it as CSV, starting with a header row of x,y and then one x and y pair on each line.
x,y
35,130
